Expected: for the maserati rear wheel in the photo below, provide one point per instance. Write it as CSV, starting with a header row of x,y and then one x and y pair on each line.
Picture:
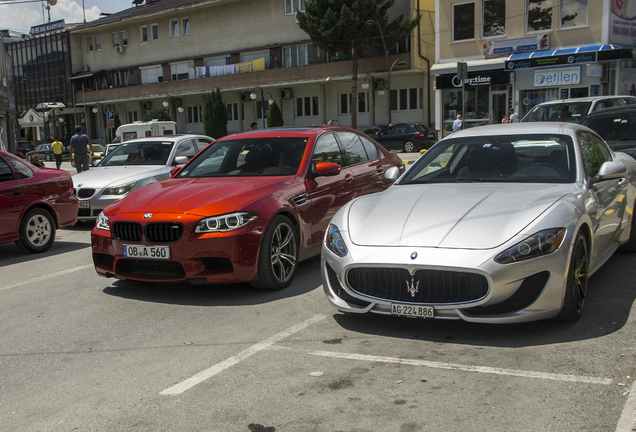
x,y
278,255
576,285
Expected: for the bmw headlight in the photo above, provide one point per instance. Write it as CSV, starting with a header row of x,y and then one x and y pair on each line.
x,y
225,223
334,241
102,222
542,243
120,189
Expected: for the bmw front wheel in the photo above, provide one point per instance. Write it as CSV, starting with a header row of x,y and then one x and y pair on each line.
x,y
278,255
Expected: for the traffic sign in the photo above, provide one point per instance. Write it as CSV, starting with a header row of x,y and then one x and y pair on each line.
x,y
110,115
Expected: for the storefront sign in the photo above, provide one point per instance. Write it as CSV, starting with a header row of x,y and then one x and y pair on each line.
x,y
595,70
475,79
556,77
551,61
524,44
622,25
48,27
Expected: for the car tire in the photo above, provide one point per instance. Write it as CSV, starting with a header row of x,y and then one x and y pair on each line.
x,y
278,255
409,147
47,157
37,231
576,284
630,246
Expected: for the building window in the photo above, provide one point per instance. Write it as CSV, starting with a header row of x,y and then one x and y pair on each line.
x,y
195,114
293,6
464,21
144,34
298,55
133,116
155,32
407,99
232,111
174,28
494,18
89,42
307,106
346,101
120,78
573,13
186,26
181,71
152,74
124,38
115,40
539,15
98,43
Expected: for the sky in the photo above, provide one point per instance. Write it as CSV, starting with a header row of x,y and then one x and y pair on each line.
x,y
21,15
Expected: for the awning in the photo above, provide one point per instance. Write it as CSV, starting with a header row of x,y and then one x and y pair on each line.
x,y
473,66
86,74
568,56
565,51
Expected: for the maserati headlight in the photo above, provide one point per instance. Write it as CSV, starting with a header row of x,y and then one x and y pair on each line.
x,y
542,243
120,189
334,241
102,222
225,223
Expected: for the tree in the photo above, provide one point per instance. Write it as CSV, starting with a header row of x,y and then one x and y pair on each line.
x,y
214,115
275,116
157,114
340,27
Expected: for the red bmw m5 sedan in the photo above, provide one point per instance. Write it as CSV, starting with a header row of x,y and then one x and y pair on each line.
x,y
247,208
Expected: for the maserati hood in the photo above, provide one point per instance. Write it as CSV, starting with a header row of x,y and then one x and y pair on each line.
x,y
466,216
101,177
199,196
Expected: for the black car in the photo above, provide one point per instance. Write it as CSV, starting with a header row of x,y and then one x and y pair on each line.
x,y
617,126
406,137
24,147
45,151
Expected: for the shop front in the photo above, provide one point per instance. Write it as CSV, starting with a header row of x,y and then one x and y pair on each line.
x,y
483,98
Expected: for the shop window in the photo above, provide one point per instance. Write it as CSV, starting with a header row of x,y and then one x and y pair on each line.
x,y
464,21
579,92
307,106
494,18
531,98
539,15
573,13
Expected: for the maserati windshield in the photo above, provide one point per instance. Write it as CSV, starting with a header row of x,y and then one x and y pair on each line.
x,y
139,153
528,158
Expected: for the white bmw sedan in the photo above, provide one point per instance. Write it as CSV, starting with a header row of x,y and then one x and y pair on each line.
x,y
130,166
495,224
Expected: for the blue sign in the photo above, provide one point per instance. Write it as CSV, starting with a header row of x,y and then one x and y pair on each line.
x,y
48,27
110,115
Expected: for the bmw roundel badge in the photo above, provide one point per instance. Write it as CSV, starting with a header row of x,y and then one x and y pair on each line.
x,y
147,215
414,255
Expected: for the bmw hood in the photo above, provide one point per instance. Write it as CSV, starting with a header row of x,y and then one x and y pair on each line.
x,y
199,196
462,216
101,177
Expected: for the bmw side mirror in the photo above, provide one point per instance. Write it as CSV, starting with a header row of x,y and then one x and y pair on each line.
x,y
609,171
327,169
392,174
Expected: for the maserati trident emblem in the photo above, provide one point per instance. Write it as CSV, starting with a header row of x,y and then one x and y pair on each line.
x,y
412,286
147,215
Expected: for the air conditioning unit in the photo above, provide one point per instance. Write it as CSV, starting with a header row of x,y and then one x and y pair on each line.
x,y
147,105
287,93
86,68
120,49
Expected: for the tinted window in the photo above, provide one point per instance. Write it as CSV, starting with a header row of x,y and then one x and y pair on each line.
x,y
327,150
572,112
139,153
372,150
5,171
353,147
186,148
593,151
23,170
614,127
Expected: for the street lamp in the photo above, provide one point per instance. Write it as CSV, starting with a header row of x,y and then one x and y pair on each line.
x,y
365,86
386,55
271,100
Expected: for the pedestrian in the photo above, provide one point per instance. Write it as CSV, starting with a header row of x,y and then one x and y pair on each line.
x,y
254,126
79,149
458,123
57,147
514,117
505,119
36,161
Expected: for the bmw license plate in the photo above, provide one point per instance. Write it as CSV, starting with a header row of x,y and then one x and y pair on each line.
x,y
412,311
148,252
84,204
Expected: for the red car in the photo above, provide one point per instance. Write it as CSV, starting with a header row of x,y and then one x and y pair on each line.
x,y
34,202
247,208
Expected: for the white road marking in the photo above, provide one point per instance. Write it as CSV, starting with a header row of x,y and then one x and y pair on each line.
x,y
627,422
458,367
225,364
47,277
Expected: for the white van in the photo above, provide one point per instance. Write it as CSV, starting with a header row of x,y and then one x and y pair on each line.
x,y
140,129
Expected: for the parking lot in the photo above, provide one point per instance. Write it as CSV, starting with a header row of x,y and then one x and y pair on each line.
x,y
84,353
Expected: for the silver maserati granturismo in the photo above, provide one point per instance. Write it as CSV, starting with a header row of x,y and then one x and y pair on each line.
x,y
495,224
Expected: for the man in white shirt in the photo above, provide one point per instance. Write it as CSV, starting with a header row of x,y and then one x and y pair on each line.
x,y
514,117
457,124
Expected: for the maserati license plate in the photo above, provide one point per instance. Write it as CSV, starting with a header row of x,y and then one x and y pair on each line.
x,y
412,311
148,252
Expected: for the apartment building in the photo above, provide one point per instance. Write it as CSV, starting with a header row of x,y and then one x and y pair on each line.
x,y
7,103
168,54
523,52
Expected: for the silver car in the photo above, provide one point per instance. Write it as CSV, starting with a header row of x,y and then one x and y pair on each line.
x,y
130,166
495,224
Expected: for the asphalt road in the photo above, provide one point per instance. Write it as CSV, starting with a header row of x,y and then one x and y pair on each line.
x,y
83,353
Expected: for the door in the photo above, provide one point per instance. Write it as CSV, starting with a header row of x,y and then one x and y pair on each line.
x,y
12,200
498,106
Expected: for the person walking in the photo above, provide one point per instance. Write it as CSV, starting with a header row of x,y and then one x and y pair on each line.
x,y
514,117
57,147
79,148
505,119
458,123
254,126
